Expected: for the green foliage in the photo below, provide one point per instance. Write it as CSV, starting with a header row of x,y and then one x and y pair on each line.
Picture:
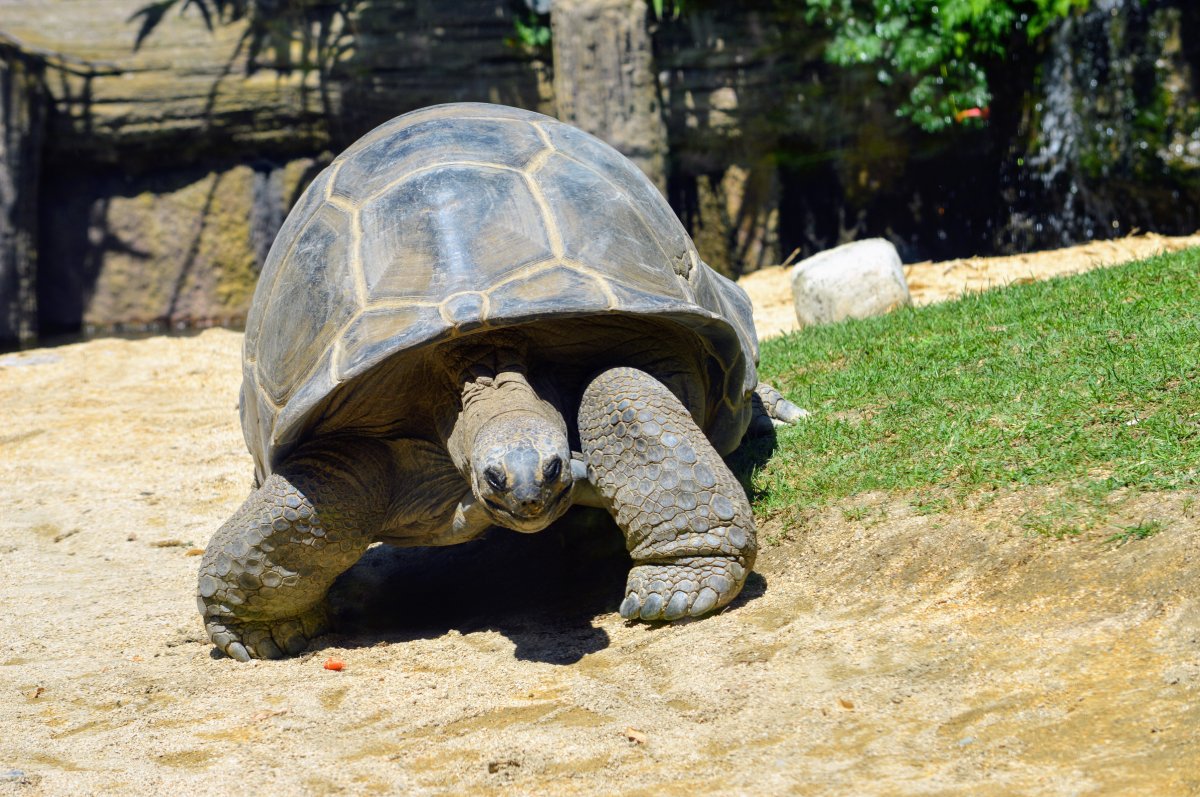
x,y
1090,381
1138,531
530,32
944,47
660,7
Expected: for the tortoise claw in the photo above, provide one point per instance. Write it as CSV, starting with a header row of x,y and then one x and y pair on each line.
x,y
267,639
687,588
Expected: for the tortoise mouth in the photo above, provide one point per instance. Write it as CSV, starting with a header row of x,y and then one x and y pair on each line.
x,y
535,520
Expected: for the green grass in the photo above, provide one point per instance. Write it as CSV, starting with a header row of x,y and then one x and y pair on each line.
x,y
1091,381
1138,531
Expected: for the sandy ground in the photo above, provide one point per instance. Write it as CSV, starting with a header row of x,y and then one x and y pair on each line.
x,y
770,288
876,650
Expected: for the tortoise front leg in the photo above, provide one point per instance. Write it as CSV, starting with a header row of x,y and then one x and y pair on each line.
x,y
265,573
686,519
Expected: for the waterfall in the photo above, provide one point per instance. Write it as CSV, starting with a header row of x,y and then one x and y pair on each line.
x,y
1113,139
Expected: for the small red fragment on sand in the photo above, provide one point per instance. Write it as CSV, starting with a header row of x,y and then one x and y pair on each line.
x,y
334,664
846,704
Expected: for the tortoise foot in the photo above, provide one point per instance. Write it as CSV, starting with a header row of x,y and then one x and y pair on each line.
x,y
275,639
683,588
771,409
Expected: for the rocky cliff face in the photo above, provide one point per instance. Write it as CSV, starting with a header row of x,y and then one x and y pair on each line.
x,y
145,184
22,117
167,169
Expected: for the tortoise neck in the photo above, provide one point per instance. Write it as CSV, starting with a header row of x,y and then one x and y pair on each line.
x,y
492,387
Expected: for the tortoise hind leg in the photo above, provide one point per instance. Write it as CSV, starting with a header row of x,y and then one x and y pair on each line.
x,y
265,573
686,519
771,409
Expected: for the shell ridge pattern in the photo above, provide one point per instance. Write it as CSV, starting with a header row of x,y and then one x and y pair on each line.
x,y
285,420
483,235
602,280
398,304
277,264
456,265
448,315
391,185
356,261
607,280
327,360
574,266
552,231
621,191
298,235
251,373
525,272
410,120
543,135
536,163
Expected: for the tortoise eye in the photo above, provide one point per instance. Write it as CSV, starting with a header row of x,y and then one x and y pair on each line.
x,y
552,469
495,477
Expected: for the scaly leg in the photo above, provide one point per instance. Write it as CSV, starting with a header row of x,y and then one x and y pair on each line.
x,y
686,519
265,573
771,409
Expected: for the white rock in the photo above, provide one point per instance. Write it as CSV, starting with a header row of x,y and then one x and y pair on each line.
x,y
855,280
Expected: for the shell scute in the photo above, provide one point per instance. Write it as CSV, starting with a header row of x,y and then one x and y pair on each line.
x,y
308,309
575,196
382,163
429,238
540,292
636,188
376,332
308,204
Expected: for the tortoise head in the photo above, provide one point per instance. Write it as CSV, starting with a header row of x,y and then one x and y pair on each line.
x,y
521,470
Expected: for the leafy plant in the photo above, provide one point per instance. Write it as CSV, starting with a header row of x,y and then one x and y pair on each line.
x,y
946,48
660,7
531,31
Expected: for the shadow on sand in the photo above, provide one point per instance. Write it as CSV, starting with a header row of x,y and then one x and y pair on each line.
x,y
542,591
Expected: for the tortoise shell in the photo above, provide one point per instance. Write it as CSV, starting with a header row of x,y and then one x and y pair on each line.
x,y
461,218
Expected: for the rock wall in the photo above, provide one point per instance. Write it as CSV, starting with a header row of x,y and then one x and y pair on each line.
x,y
169,166
180,248
22,116
144,184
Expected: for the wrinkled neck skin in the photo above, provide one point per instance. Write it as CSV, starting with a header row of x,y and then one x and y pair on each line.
x,y
509,442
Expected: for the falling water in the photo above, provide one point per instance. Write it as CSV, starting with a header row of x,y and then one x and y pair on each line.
x,y
1115,120
1059,134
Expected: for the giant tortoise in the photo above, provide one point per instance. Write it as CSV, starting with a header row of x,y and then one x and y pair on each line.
x,y
478,316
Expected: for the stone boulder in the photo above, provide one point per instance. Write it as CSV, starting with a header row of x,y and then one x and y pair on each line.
x,y
855,280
